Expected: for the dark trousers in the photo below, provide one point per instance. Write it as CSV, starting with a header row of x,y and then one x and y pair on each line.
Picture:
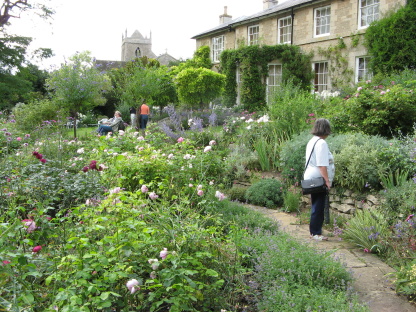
x,y
104,129
143,121
317,213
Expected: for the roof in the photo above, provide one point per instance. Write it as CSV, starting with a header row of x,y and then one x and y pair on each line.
x,y
263,14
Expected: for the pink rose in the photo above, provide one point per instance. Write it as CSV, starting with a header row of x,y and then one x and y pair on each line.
x,y
37,248
133,286
164,253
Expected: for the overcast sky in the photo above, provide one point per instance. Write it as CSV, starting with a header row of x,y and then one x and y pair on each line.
x,y
97,25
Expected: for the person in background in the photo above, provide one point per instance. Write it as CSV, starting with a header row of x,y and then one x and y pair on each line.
x,y
321,164
132,116
112,125
143,112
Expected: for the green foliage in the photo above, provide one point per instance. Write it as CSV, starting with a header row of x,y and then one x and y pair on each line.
x,y
339,72
406,280
292,159
362,161
237,193
252,61
240,161
291,200
367,229
138,83
12,57
294,278
376,109
399,200
293,109
266,192
78,86
389,40
33,115
198,86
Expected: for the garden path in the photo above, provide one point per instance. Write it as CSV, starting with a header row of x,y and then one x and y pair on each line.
x,y
370,281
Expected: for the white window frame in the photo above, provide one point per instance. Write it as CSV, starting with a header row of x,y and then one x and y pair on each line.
x,y
322,21
217,48
362,71
284,30
321,79
369,11
274,79
253,35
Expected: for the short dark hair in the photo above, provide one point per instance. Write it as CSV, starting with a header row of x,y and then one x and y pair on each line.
x,y
321,127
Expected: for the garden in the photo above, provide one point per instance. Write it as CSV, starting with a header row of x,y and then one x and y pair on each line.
x,y
130,223
157,221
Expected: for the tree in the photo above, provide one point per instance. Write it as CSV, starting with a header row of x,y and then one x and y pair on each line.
x,y
78,85
390,40
148,81
15,87
13,9
197,86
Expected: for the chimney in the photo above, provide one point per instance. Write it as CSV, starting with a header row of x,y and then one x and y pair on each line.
x,y
267,4
225,18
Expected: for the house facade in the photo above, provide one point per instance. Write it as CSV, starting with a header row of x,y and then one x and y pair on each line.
x,y
331,29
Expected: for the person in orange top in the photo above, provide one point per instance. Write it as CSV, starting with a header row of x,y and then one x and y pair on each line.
x,y
143,111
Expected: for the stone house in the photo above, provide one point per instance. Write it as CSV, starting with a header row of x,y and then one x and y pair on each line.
x,y
331,29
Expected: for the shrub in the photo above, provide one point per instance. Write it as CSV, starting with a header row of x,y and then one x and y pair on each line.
x,y
291,200
289,275
239,161
33,115
367,229
292,109
292,159
399,201
377,110
402,241
237,193
266,192
406,280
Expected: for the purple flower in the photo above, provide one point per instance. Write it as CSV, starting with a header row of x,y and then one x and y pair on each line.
x,y
144,189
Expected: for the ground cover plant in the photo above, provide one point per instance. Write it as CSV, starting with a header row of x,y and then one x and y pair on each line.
x,y
159,236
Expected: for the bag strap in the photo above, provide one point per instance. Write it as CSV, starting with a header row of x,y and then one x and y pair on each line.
x,y
310,155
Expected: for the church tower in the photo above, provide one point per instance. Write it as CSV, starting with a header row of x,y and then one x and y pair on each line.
x,y
136,46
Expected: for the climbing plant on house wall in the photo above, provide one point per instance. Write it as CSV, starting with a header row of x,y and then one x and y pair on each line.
x,y
253,62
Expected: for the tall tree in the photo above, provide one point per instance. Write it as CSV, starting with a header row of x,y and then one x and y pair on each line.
x,y
13,9
78,85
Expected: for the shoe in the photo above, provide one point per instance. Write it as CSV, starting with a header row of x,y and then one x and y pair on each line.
x,y
319,237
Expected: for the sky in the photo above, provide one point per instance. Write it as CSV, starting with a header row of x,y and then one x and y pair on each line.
x,y
98,25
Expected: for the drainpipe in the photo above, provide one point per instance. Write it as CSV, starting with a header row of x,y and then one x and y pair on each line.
x,y
291,33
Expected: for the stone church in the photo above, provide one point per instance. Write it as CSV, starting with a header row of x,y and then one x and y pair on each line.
x,y
133,47
139,46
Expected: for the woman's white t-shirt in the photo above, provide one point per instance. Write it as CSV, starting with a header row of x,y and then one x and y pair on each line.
x,y
321,156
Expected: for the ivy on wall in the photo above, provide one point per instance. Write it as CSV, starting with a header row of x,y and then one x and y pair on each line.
x,y
339,72
253,62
